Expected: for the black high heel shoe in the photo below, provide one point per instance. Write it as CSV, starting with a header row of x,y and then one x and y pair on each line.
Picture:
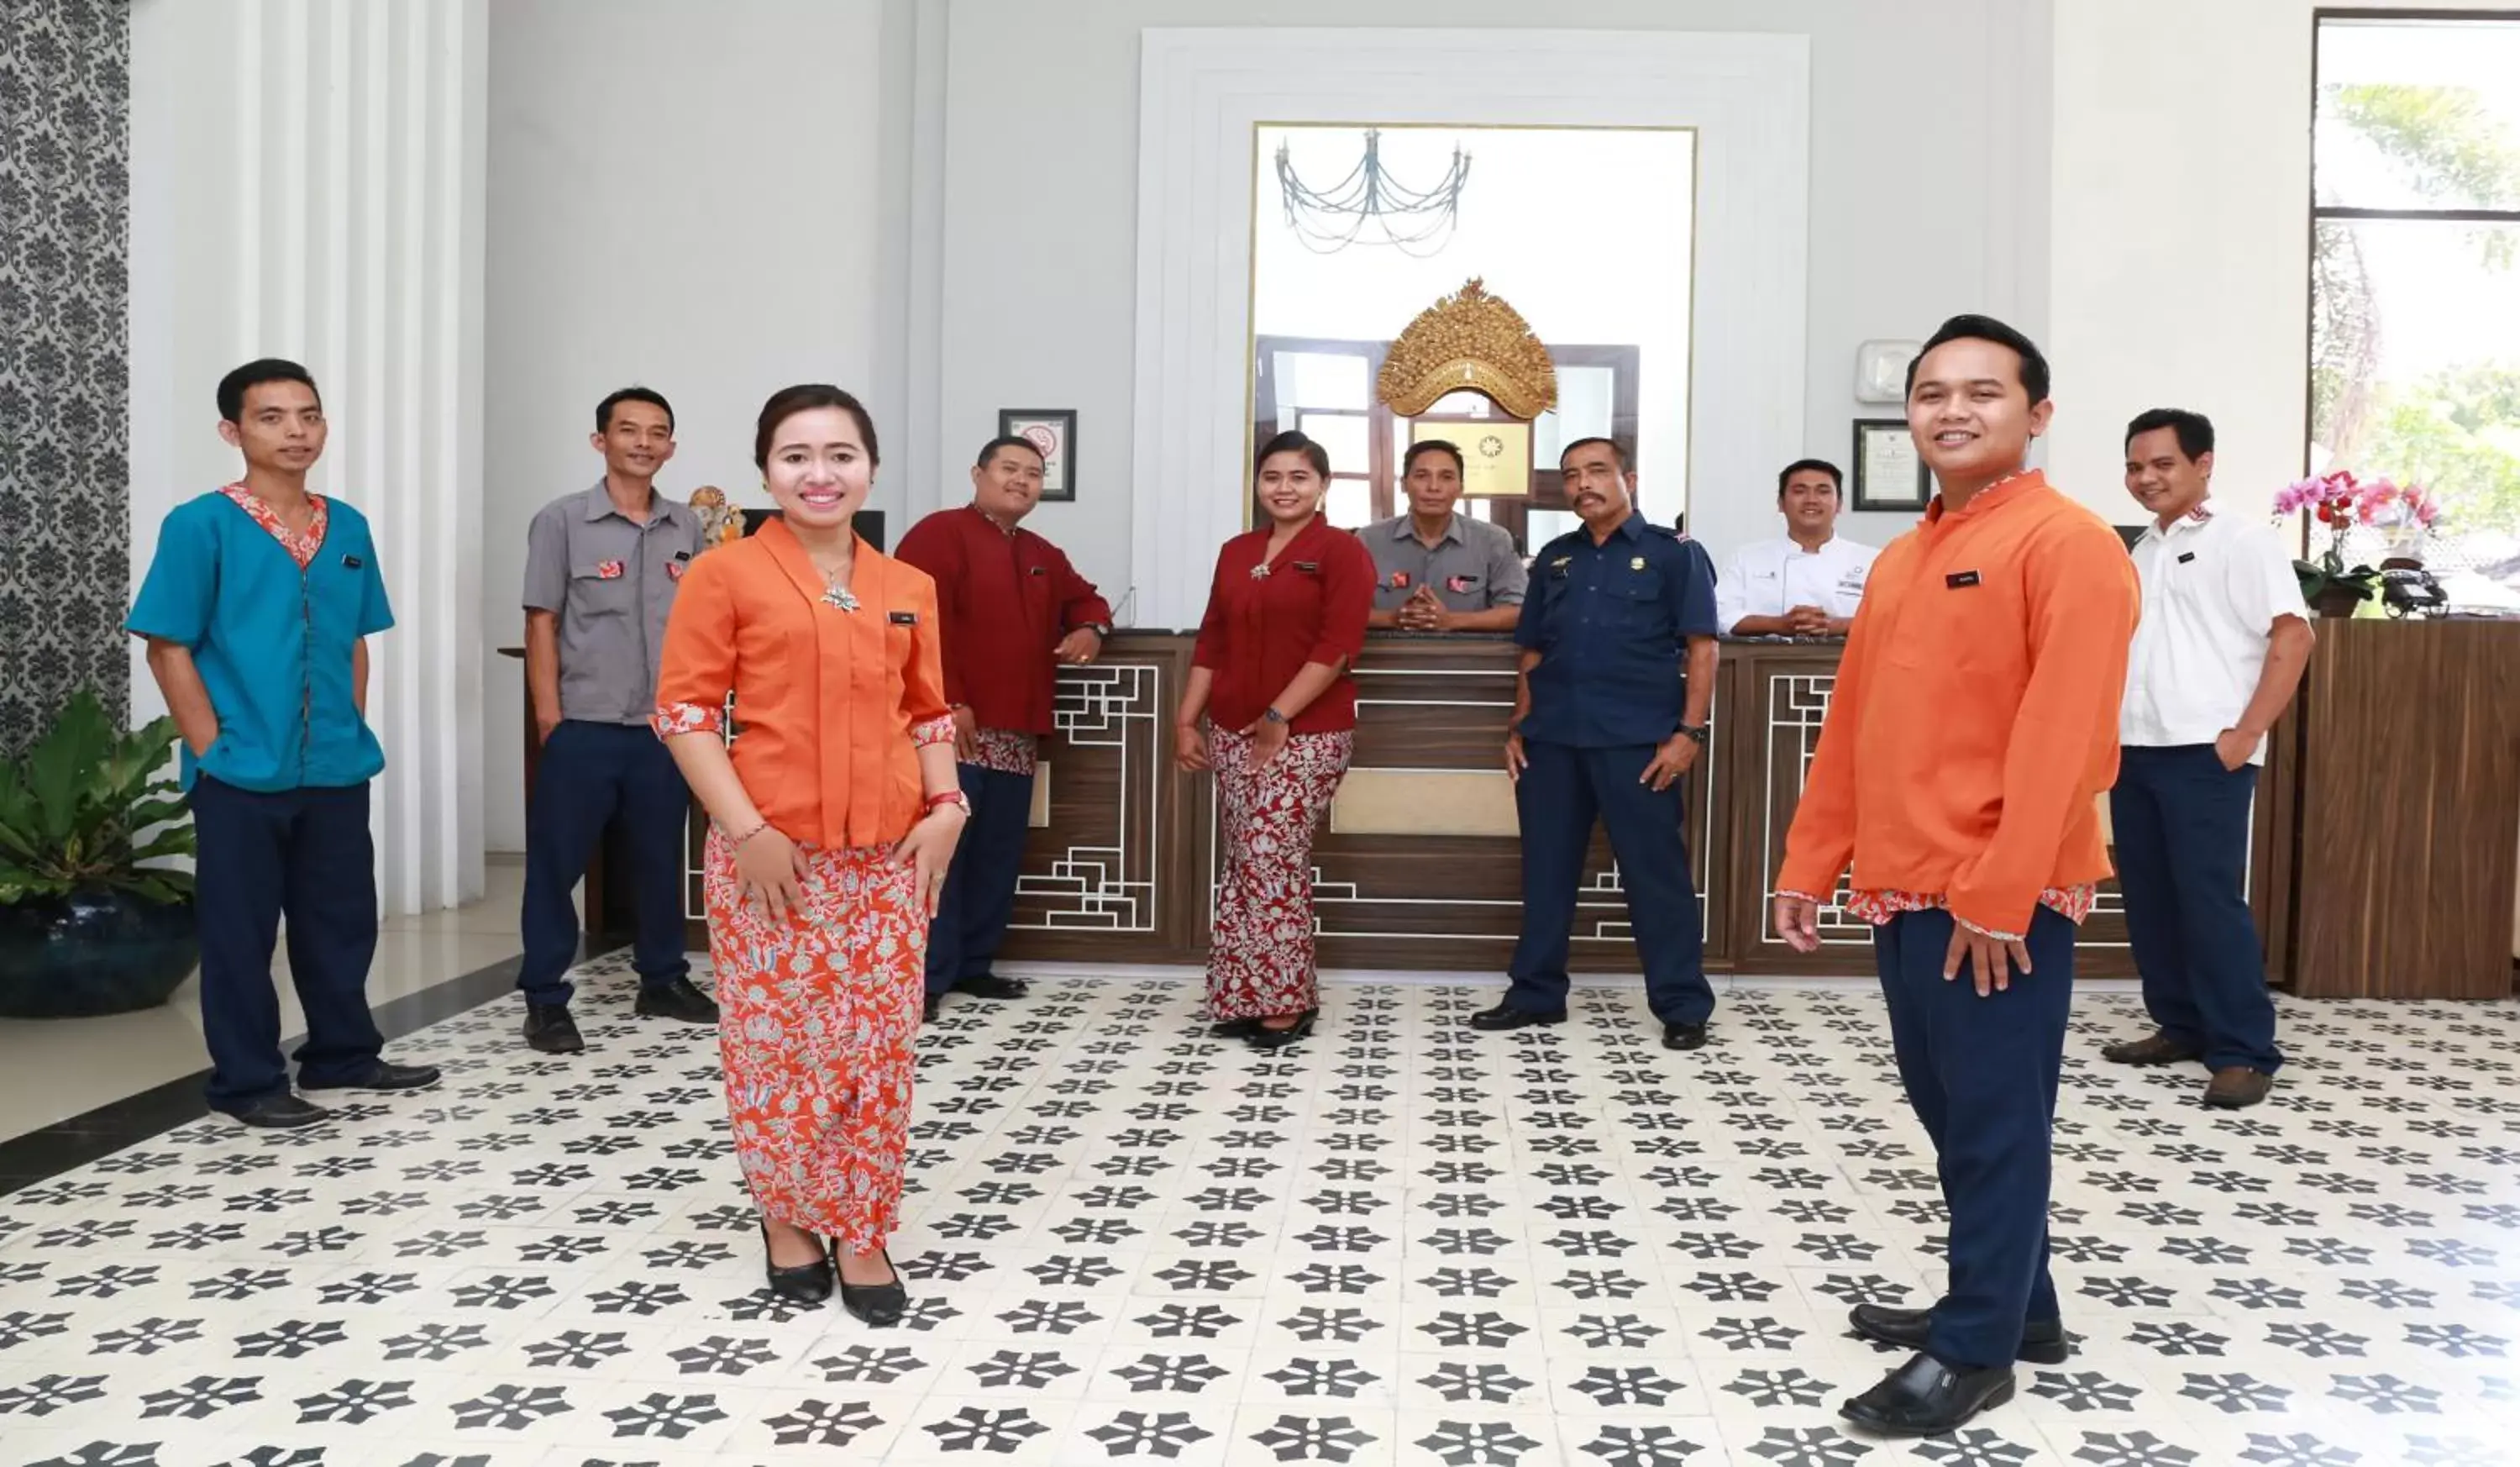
x,y
1263,1037
805,1283
1233,1028
879,1306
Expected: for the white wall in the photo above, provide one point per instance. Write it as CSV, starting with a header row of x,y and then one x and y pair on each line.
x,y
306,183
2181,222
1039,169
689,198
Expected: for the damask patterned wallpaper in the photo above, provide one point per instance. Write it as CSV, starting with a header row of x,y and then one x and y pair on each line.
x,y
65,256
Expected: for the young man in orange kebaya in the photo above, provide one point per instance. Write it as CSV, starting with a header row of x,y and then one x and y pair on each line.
x,y
1970,734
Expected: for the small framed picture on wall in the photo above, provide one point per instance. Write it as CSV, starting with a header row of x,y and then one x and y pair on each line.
x,y
1889,474
1053,431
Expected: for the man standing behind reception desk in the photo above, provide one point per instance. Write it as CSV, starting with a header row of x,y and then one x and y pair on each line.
x,y
1807,585
2223,643
1971,729
602,567
1013,610
1435,568
1606,726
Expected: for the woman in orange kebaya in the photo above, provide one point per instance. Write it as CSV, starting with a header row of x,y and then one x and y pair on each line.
x,y
833,815
1285,619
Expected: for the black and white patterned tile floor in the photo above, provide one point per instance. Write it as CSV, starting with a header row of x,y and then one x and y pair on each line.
x,y
1397,1243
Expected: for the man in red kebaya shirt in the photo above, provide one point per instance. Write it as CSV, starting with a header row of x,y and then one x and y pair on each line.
x,y
1013,610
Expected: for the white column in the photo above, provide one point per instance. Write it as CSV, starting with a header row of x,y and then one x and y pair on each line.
x,y
307,183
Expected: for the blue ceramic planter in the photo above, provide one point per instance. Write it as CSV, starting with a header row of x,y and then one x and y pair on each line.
x,y
94,951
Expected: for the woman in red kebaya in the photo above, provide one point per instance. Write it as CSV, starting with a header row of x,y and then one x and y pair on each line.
x,y
1286,619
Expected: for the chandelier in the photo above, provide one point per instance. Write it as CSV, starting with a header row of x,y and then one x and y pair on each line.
x,y
1372,208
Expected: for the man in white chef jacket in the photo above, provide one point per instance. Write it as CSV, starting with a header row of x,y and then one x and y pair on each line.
x,y
1806,584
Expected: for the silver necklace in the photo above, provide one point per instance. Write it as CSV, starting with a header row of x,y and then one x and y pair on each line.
x,y
837,594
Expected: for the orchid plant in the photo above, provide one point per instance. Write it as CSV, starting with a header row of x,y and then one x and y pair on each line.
x,y
2340,502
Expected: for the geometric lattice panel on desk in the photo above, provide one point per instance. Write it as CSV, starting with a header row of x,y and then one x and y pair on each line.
x,y
1798,707
1111,722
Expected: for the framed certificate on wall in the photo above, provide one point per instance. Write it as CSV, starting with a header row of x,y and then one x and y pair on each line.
x,y
1889,474
1496,453
1052,432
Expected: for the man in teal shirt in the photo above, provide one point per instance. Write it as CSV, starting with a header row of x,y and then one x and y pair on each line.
x,y
256,609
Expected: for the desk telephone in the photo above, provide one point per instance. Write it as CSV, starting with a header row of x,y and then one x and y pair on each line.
x,y
2407,590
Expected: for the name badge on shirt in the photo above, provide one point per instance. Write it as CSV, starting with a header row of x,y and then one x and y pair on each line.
x,y
1461,585
1309,568
1040,571
1557,567
1400,581
903,619
352,562
1960,580
2190,556
608,570
1637,563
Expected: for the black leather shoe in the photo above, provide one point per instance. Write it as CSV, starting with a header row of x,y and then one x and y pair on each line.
x,y
1233,1028
2042,1341
1262,1036
282,1112
1926,1397
550,1030
384,1074
990,985
805,1283
1505,1016
879,1306
677,1000
1678,1035
935,1006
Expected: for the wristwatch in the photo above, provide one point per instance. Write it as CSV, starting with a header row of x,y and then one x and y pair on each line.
x,y
1695,733
1100,629
1273,716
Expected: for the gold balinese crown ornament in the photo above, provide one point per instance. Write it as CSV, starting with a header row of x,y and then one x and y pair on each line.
x,y
1468,339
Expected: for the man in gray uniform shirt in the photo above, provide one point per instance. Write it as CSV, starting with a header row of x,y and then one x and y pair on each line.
x,y
1438,570
602,567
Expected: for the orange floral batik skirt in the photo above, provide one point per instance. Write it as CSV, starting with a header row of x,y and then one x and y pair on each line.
x,y
818,1017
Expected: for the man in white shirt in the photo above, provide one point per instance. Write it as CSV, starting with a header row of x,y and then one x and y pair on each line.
x,y
1808,583
2216,654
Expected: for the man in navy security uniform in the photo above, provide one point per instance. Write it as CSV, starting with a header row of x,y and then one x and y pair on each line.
x,y
1618,669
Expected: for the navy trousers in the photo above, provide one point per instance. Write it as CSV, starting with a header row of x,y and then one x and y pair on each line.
x,y
304,854
1563,790
1981,1073
590,772
2182,848
980,896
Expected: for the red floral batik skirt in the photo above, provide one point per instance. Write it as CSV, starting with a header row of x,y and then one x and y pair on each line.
x,y
817,1020
1260,961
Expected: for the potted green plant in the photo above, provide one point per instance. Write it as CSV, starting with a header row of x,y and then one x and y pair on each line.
x,y
88,925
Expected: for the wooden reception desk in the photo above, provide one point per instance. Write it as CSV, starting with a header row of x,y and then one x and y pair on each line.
x,y
2382,861
1420,867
